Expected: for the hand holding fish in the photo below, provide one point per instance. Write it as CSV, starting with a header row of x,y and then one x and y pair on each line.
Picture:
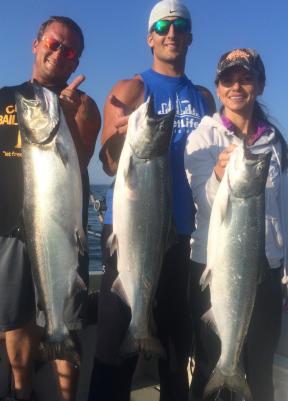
x,y
121,115
223,160
70,97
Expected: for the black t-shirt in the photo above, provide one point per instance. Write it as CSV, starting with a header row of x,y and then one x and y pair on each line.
x,y
11,172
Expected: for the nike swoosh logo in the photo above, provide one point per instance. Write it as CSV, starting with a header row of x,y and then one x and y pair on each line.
x,y
172,11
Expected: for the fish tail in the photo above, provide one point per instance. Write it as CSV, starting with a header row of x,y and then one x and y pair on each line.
x,y
148,346
67,349
236,383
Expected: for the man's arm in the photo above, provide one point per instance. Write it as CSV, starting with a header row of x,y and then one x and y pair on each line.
x,y
88,122
83,118
208,97
123,99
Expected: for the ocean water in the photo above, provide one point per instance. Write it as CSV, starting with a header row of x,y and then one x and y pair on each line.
x,y
94,228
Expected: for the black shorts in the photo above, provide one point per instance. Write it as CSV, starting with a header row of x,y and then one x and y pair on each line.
x,y
17,300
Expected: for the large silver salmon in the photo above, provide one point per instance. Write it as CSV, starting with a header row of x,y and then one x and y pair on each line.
x,y
142,220
52,210
236,251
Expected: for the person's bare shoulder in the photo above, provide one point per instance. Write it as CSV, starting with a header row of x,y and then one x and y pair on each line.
x,y
129,91
125,96
88,123
208,97
123,99
90,110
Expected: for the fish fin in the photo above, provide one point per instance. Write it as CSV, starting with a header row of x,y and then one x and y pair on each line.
x,y
236,383
118,289
77,285
224,206
209,319
76,289
62,152
68,349
218,215
81,241
112,243
148,347
127,168
205,279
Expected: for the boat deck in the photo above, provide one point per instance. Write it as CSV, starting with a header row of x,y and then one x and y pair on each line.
x,y
145,383
150,393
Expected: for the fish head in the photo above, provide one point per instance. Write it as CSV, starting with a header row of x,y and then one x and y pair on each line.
x,y
149,134
248,171
38,118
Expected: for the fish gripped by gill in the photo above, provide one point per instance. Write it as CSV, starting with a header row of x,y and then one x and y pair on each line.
x,y
52,212
236,252
142,221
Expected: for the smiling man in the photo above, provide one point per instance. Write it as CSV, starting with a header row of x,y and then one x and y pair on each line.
x,y
169,37
57,50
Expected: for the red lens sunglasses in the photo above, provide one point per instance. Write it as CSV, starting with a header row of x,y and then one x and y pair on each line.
x,y
53,44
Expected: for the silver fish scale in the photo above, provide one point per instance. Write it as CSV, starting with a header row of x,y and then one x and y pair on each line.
x,y
52,218
236,252
141,225
53,239
144,224
243,239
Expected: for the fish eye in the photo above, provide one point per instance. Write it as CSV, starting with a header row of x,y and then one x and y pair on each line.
x,y
260,167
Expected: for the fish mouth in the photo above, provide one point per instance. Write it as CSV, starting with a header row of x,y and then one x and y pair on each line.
x,y
152,115
155,133
39,117
249,172
150,108
254,156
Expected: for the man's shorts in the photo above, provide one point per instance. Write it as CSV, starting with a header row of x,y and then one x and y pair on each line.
x,y
17,300
17,291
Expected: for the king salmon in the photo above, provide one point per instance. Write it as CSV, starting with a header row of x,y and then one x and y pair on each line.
x,y
236,252
142,221
52,211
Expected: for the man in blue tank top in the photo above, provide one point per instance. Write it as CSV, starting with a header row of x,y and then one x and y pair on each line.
x,y
169,37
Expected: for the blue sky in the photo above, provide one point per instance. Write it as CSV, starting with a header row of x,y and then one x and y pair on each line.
x,y
115,33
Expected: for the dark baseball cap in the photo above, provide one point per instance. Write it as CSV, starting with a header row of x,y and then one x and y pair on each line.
x,y
246,58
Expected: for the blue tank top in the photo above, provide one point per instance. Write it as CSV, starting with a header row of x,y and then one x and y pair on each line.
x,y
180,94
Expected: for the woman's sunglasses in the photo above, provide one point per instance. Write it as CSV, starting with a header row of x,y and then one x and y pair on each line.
x,y
53,44
181,25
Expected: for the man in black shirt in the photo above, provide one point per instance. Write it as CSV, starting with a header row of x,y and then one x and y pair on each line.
x,y
57,50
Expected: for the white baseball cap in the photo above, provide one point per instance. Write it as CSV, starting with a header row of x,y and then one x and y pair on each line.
x,y
168,8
